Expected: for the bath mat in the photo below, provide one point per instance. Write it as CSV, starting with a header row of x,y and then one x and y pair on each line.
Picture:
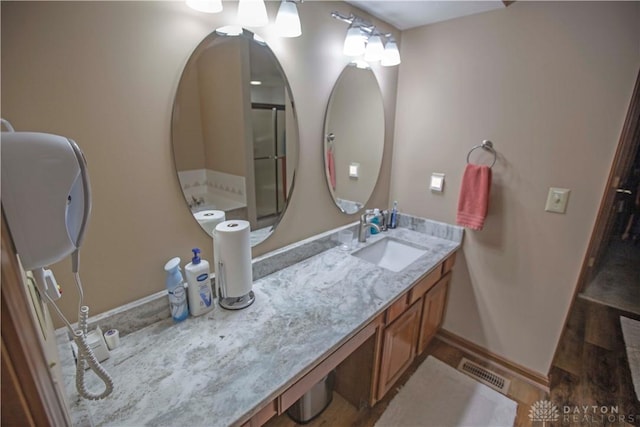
x,y
631,335
439,395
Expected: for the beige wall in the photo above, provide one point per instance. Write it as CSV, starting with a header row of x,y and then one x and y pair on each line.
x,y
549,84
105,74
188,153
226,104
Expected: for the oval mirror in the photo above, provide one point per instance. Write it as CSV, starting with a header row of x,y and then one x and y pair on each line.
x,y
354,138
235,134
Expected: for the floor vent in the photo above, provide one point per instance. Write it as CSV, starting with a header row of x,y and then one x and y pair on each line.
x,y
485,376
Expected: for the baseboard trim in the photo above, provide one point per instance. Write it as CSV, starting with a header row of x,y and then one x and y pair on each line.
x,y
535,378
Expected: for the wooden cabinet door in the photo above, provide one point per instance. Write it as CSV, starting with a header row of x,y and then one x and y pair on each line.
x,y
433,312
398,348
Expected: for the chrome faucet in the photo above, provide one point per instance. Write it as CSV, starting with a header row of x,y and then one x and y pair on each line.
x,y
196,202
362,229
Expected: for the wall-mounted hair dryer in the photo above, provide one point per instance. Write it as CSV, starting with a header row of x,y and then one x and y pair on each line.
x,y
46,198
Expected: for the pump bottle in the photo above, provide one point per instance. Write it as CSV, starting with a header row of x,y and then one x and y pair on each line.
x,y
199,285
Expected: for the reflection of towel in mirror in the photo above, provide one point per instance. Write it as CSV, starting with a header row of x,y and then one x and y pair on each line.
x,y
331,168
474,196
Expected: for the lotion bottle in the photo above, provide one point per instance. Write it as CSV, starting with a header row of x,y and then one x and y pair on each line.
x,y
175,289
199,285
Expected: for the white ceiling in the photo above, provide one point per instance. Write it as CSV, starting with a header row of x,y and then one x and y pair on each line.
x,y
405,14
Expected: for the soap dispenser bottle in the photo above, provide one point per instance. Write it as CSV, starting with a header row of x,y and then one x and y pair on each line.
x,y
375,220
175,289
199,285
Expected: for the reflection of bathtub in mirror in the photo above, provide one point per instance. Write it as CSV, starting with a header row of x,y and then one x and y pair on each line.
x,y
205,189
348,206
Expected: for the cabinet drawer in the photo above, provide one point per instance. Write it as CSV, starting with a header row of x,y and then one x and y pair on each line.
x,y
448,263
263,415
397,308
425,284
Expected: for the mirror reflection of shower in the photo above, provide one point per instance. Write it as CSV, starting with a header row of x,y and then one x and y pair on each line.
x,y
269,156
269,117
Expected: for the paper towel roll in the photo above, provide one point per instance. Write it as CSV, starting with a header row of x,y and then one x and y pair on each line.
x,y
232,256
208,219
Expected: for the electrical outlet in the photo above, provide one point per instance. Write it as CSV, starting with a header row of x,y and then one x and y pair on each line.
x,y
557,200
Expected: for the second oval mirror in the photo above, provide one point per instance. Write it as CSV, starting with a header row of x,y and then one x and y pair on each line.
x,y
235,134
354,138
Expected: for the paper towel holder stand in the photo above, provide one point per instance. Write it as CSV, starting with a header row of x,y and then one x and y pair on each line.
x,y
237,303
231,303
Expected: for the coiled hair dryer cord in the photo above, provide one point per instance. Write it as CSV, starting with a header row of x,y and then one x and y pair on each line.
x,y
86,356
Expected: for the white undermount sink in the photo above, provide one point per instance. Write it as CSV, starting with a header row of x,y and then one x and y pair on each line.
x,y
390,253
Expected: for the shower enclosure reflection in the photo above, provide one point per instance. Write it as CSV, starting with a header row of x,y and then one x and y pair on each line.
x,y
270,161
234,132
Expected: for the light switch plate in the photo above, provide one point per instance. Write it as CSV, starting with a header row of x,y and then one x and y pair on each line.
x,y
354,170
557,200
437,182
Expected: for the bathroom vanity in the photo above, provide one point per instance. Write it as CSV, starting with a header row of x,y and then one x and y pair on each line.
x,y
318,308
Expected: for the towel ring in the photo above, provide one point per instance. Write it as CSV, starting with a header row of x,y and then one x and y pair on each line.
x,y
488,146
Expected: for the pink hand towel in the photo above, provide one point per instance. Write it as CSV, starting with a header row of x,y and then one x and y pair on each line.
x,y
331,167
474,196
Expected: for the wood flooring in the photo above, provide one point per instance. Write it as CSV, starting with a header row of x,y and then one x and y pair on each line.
x,y
590,368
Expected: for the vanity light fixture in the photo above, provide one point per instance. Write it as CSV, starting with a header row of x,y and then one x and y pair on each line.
x,y
391,54
363,38
252,13
355,42
287,20
375,48
207,6
255,82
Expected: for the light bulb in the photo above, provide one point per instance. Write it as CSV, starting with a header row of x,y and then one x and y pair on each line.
x,y
374,49
252,13
287,20
207,6
391,54
354,43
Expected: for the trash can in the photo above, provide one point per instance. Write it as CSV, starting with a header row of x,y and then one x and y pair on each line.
x,y
313,402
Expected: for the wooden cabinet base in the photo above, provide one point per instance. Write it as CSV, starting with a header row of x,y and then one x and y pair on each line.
x,y
398,348
433,306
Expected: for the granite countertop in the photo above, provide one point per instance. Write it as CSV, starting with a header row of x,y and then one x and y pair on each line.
x,y
217,369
